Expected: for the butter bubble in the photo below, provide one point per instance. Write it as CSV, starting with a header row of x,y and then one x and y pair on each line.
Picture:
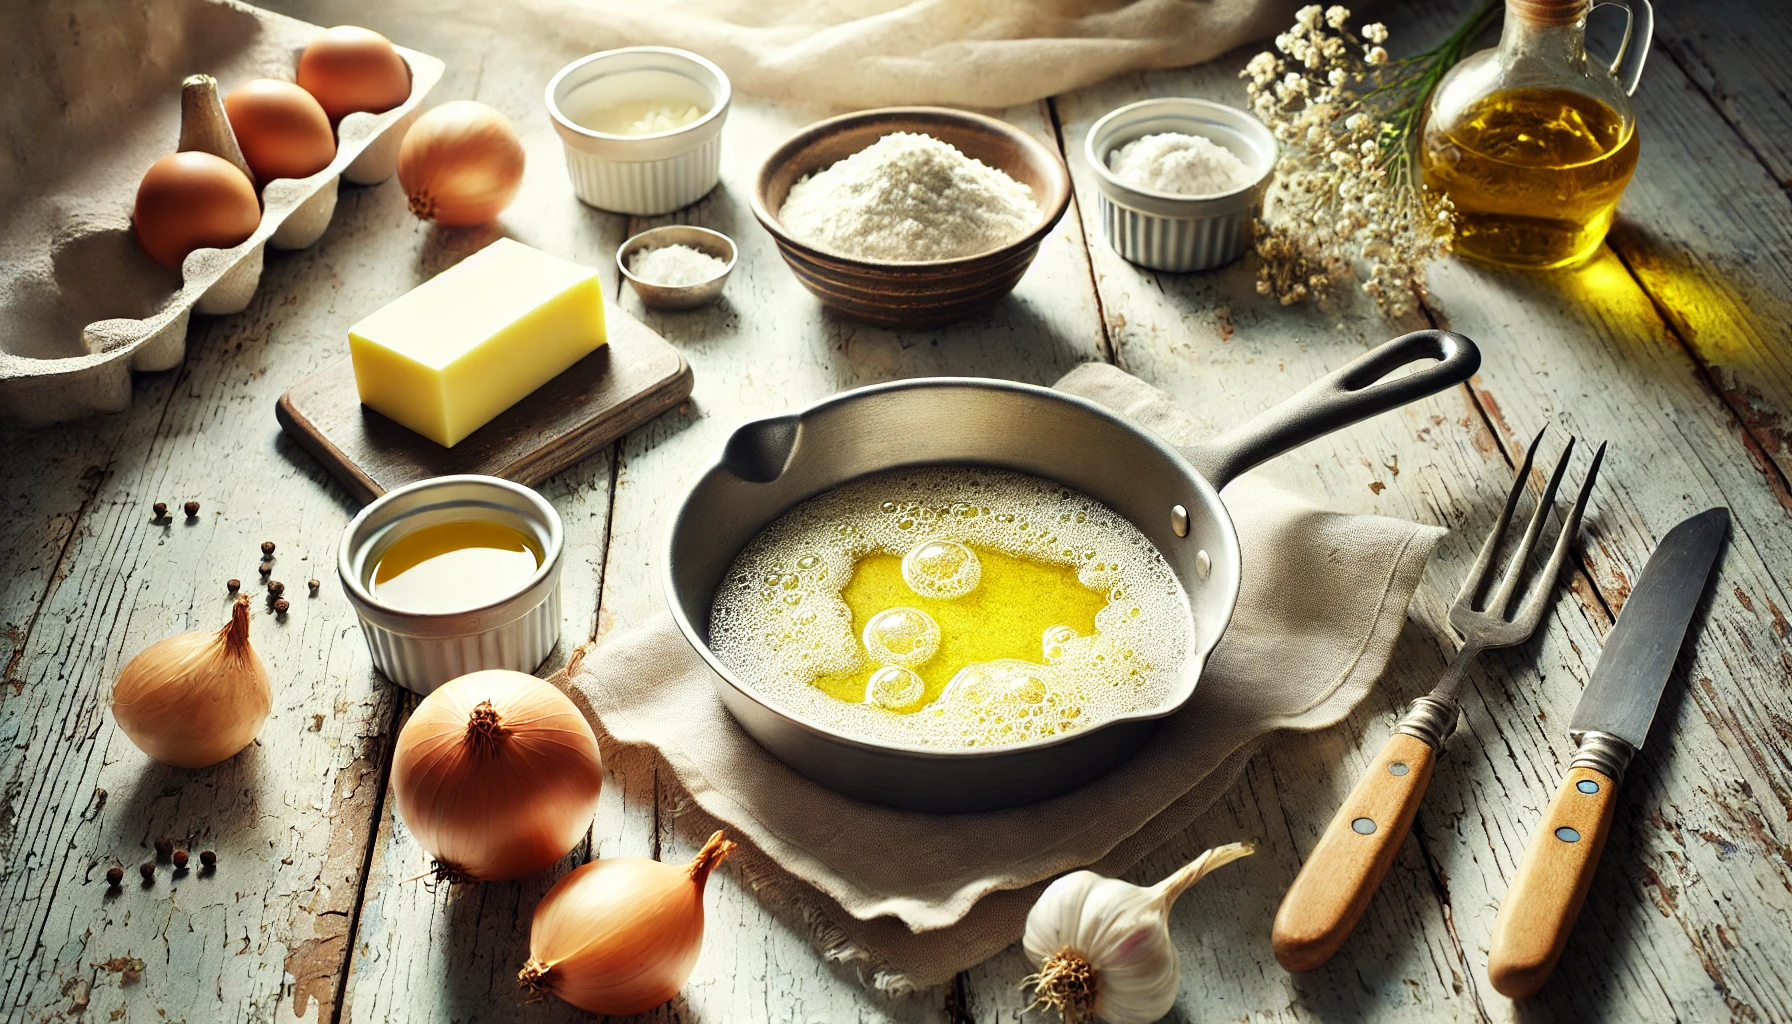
x,y
901,636
1053,641
941,569
894,688
1007,682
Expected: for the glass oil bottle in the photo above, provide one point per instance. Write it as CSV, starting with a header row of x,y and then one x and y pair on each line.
x,y
1532,142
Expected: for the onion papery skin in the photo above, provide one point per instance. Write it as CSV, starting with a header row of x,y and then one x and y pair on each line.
x,y
497,775
622,935
461,164
195,699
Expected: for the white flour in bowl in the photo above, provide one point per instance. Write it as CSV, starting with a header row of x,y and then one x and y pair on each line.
x,y
908,198
1188,165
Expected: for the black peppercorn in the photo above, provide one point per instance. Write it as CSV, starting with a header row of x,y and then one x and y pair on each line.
x,y
267,549
164,847
208,858
266,568
160,509
148,870
281,604
313,584
233,585
180,859
192,509
276,588
114,875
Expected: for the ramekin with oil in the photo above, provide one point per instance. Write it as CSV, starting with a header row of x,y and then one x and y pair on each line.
x,y
422,650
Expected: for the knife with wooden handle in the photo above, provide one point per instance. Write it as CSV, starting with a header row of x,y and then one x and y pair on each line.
x,y
1342,873
1609,724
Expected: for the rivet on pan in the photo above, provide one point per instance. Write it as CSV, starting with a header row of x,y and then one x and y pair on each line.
x,y
1203,564
1587,786
1398,768
1179,520
1567,835
1363,826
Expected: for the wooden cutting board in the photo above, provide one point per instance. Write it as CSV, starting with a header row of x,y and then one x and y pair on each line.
x,y
610,392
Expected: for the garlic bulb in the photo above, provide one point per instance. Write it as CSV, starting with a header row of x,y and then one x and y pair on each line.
x,y
1103,946
195,699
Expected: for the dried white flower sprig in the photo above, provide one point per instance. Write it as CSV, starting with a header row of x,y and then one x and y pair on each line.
x,y
1347,198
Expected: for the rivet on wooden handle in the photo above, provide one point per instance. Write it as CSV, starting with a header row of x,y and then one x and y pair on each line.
x,y
1551,884
1344,870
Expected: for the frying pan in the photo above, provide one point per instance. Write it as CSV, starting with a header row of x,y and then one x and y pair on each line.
x,y
767,466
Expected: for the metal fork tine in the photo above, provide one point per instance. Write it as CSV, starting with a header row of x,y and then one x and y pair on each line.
x,y
1545,504
1471,587
1531,612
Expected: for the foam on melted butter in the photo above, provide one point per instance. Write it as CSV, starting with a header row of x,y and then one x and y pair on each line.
x,y
952,606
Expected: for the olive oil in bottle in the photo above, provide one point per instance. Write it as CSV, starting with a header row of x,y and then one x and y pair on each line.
x,y
1535,175
1533,141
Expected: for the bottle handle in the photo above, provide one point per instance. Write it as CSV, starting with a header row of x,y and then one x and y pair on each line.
x,y
1639,30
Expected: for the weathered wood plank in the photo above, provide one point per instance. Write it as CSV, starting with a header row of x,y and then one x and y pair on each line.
x,y
1228,353
423,951
768,349
1732,50
1705,226
1696,851
48,481
1690,904
289,817
1497,776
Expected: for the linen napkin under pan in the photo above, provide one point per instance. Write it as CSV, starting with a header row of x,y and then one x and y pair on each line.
x,y
912,898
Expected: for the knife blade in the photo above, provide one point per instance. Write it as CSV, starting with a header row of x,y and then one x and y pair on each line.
x,y
1609,725
1621,698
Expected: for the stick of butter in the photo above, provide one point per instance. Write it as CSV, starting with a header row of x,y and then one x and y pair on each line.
x,y
471,342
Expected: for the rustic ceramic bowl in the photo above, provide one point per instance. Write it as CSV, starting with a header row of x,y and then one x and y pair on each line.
x,y
924,293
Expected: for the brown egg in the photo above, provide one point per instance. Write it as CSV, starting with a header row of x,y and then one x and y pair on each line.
x,y
193,201
283,131
350,69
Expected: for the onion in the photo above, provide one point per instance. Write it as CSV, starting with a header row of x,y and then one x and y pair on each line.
x,y
497,775
195,699
620,936
460,164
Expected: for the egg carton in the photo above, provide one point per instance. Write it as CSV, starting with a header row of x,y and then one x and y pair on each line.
x,y
97,101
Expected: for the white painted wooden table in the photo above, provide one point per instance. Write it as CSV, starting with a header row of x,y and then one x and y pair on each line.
x,y
1674,344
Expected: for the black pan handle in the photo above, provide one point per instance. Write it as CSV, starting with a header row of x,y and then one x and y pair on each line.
x,y
1338,400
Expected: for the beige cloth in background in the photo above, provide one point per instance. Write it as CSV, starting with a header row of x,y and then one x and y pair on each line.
x,y
1322,600
871,53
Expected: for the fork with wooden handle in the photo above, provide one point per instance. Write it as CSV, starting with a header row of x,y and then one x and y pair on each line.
x,y
1344,870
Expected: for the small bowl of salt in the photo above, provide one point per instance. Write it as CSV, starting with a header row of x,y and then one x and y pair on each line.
x,y
1181,181
677,266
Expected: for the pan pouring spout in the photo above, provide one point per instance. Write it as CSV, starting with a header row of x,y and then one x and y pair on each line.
x,y
758,451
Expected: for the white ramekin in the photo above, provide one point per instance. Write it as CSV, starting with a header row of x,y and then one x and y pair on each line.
x,y
1164,230
645,175
419,650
